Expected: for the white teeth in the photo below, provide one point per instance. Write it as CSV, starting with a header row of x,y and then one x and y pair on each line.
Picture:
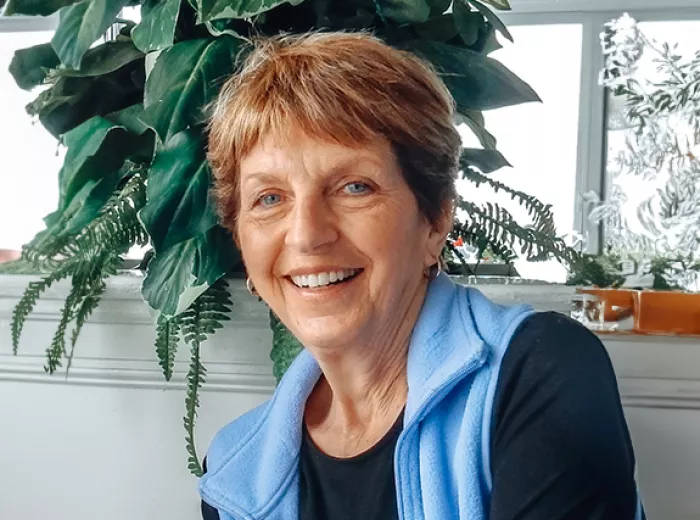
x,y
323,279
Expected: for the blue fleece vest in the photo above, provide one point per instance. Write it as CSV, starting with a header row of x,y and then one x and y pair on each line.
x,y
442,455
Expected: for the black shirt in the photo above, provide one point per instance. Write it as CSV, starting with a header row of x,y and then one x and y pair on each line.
x,y
560,448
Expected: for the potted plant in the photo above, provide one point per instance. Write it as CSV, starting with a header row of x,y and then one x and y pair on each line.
x,y
135,171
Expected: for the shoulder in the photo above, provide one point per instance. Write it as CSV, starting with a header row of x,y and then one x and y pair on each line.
x,y
555,360
550,339
234,434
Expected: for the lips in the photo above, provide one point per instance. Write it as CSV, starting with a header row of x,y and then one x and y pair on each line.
x,y
323,279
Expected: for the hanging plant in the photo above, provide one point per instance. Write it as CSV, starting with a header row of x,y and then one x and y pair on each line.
x,y
136,172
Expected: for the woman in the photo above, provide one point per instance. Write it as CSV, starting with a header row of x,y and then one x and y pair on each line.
x,y
335,158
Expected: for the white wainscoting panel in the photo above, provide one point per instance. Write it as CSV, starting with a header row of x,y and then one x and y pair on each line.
x,y
107,442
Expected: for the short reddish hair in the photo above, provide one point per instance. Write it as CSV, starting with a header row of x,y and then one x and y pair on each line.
x,y
345,88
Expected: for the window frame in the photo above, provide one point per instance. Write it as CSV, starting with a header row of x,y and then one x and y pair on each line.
x,y
592,134
28,23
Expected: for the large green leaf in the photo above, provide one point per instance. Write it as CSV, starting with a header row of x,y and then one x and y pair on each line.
x,y
72,101
35,7
177,276
92,170
476,82
487,161
476,123
96,147
492,18
80,25
104,59
185,78
405,11
441,28
503,5
214,9
179,206
30,66
438,7
156,31
469,23
130,118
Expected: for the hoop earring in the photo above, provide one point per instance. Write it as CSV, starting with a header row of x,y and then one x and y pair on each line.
x,y
251,288
432,272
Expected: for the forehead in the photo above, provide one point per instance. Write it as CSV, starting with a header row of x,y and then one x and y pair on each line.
x,y
300,153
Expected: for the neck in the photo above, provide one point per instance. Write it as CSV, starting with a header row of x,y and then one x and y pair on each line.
x,y
365,384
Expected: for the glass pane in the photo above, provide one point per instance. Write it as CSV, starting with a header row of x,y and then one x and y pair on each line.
x,y
538,139
652,201
30,161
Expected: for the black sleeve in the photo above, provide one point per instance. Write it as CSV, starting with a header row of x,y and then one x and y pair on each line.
x,y
208,512
560,447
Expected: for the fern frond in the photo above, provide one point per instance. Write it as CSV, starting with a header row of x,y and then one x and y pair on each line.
x,y
167,338
540,213
195,380
29,298
494,225
201,320
57,348
90,297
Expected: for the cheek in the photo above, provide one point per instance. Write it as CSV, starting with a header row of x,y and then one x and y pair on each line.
x,y
257,248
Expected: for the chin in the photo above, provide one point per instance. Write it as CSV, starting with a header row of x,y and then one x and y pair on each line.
x,y
323,332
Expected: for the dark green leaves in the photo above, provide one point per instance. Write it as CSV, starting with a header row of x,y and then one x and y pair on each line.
x,y
30,66
487,161
405,11
503,5
178,276
477,82
490,16
185,78
91,172
156,30
73,100
178,207
104,59
35,7
80,25
215,9
470,24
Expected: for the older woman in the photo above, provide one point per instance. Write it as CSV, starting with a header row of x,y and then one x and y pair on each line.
x,y
335,158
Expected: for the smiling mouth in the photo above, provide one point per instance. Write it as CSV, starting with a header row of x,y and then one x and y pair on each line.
x,y
321,280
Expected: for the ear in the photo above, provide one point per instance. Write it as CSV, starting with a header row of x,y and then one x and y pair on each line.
x,y
438,234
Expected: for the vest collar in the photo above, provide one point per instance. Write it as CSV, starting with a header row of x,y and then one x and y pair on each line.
x,y
258,475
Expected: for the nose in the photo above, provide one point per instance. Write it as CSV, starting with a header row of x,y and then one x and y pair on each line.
x,y
312,226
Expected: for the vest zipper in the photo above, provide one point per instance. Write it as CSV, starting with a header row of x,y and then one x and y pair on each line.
x,y
433,397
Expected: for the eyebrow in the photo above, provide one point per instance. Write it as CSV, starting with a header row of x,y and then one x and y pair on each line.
x,y
338,169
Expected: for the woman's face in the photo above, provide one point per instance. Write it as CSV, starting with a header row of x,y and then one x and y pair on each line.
x,y
332,238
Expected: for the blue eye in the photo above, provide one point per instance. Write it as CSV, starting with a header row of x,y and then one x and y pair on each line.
x,y
270,199
356,188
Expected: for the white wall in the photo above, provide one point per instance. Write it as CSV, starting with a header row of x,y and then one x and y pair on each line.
x,y
108,442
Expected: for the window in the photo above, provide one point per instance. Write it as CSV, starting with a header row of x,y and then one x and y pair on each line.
x,y
538,139
652,195
30,158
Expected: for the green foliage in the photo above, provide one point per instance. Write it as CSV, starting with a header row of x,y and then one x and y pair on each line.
x,y
285,347
88,259
125,132
596,270
167,337
198,322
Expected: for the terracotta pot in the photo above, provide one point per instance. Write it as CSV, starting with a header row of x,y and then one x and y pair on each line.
x,y
668,312
619,303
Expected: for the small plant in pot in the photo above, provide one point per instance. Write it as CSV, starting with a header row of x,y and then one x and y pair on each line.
x,y
136,172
